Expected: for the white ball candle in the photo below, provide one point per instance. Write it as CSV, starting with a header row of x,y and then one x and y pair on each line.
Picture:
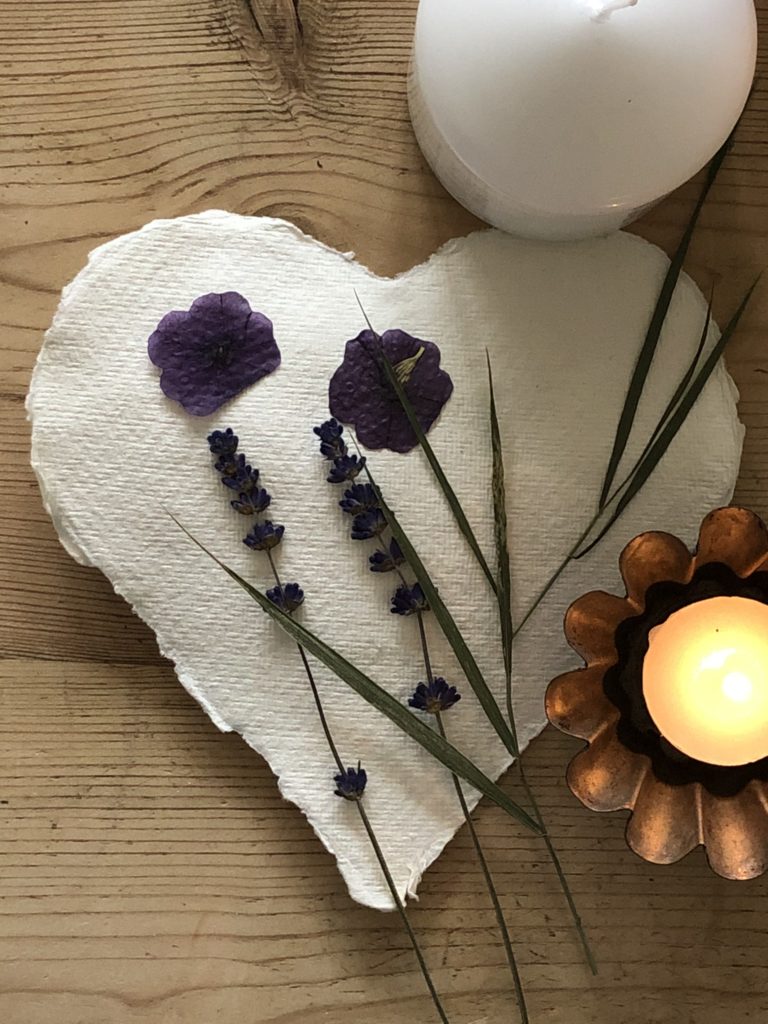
x,y
562,119
705,680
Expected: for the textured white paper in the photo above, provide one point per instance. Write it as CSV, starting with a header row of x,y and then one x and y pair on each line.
x,y
563,325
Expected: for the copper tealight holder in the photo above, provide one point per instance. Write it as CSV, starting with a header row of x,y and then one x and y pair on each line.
x,y
677,802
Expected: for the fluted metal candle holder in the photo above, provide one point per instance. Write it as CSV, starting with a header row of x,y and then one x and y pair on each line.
x,y
677,802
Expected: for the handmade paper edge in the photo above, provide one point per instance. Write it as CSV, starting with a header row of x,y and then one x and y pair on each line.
x,y
425,857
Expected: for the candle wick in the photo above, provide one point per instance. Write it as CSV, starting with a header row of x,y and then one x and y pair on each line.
x,y
604,10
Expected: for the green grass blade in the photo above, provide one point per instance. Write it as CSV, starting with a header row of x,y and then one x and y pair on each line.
x,y
678,418
670,430
380,699
444,483
650,344
504,574
448,626
682,387
662,421
504,595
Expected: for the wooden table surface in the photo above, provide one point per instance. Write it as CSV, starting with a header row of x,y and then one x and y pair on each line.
x,y
149,871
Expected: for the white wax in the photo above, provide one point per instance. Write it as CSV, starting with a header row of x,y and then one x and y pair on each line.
x,y
567,118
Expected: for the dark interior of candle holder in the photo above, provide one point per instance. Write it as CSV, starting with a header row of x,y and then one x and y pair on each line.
x,y
623,682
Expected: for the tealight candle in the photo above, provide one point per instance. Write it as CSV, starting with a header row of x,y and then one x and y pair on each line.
x,y
705,680
562,119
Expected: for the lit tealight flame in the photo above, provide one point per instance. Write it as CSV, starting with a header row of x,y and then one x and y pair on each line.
x,y
705,680
738,687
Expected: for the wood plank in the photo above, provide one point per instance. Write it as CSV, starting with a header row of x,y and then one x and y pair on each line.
x,y
150,870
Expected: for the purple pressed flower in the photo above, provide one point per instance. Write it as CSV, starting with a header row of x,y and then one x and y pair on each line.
x,y
264,536
332,446
244,481
252,503
409,600
230,464
359,498
434,697
212,352
223,442
351,783
345,468
386,561
239,476
288,597
368,525
361,394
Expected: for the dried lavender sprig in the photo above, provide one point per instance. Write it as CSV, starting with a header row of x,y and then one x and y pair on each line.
x,y
435,698
465,528
265,536
350,782
401,909
442,613
361,501
350,785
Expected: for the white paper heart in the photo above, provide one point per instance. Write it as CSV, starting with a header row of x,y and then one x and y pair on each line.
x,y
563,325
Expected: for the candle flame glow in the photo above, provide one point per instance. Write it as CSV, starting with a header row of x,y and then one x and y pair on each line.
x,y
737,686
717,659
705,680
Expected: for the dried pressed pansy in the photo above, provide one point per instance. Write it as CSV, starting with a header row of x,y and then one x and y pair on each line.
x,y
678,802
361,395
212,351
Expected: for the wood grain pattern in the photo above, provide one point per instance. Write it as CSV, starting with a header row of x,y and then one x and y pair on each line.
x,y
149,871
